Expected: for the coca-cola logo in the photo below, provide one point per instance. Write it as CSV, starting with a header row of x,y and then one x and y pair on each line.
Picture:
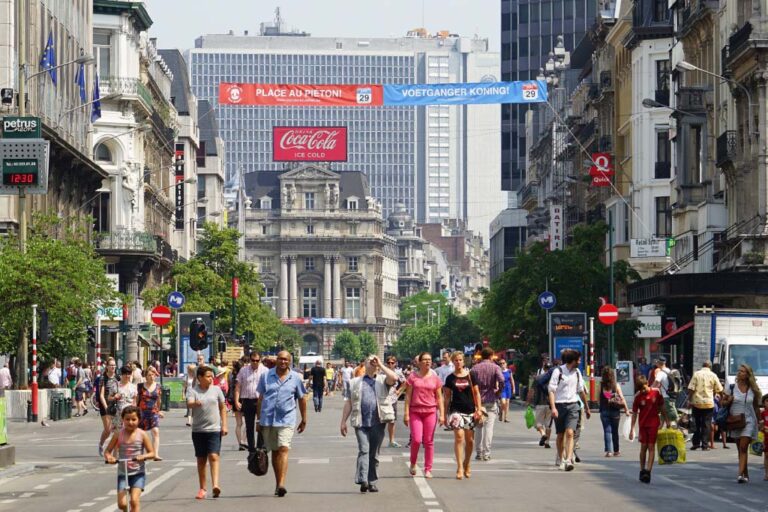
x,y
316,139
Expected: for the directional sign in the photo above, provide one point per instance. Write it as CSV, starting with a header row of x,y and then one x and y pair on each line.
x,y
176,300
547,300
608,314
161,316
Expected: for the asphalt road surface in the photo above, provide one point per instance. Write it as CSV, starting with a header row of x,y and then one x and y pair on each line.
x,y
58,468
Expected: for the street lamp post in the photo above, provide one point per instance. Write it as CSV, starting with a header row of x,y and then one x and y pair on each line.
x,y
415,309
438,302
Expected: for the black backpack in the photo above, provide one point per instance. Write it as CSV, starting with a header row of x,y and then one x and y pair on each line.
x,y
542,381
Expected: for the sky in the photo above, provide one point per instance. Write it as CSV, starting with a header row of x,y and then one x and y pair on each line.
x,y
178,22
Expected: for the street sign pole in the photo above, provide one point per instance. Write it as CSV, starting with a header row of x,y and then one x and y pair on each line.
x,y
162,357
612,342
35,398
98,343
591,359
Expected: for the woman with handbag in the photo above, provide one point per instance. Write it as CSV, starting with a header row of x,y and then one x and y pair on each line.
x,y
612,402
743,399
462,401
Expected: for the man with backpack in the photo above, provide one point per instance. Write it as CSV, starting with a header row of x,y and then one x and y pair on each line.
x,y
669,383
565,387
541,404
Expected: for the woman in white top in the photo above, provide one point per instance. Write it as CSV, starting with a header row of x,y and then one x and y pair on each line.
x,y
744,397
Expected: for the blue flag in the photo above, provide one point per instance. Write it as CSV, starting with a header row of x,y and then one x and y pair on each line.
x,y
80,81
96,108
48,60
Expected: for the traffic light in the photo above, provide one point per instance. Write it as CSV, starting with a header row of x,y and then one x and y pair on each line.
x,y
198,335
91,337
222,344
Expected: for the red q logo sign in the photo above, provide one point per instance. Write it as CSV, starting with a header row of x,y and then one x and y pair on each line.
x,y
235,94
602,165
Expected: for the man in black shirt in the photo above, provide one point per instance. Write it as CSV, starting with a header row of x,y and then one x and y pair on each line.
x,y
319,384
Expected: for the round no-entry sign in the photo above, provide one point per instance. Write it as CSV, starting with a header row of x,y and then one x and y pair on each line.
x,y
161,316
608,314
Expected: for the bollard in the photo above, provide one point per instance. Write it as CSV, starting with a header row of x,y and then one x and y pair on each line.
x,y
166,399
54,407
68,407
62,407
29,411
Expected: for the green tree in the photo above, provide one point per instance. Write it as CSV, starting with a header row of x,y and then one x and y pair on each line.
x,y
62,274
511,315
206,281
347,346
414,340
368,344
459,330
418,305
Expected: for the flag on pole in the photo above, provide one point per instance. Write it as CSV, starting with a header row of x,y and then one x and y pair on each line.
x,y
96,108
48,60
80,81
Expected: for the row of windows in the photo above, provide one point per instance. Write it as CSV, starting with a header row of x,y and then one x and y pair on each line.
x,y
310,303
384,61
309,262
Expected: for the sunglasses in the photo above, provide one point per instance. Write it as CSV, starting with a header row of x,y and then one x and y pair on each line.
x,y
391,362
255,360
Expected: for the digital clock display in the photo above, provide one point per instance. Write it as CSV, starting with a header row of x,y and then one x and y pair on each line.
x,y
20,173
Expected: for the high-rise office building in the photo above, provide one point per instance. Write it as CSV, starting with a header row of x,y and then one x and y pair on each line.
x,y
529,30
439,161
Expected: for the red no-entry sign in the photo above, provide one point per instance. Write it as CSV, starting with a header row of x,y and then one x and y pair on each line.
x,y
608,314
161,316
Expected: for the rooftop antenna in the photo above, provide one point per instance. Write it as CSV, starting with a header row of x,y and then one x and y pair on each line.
x,y
278,19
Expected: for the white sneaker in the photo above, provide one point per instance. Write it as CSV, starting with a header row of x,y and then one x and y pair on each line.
x,y
568,465
559,463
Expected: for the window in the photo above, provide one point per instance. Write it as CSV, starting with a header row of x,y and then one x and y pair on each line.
x,y
663,70
660,10
309,305
351,204
200,187
353,303
269,297
264,229
102,48
200,154
265,264
352,264
266,203
694,163
309,263
102,153
523,16
663,157
568,8
310,229
309,200
353,229
663,217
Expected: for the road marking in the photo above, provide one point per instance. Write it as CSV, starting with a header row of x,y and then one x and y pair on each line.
x,y
41,487
26,495
74,510
185,464
731,502
100,498
87,504
149,488
431,503
421,484
385,458
7,501
314,461
55,480
435,510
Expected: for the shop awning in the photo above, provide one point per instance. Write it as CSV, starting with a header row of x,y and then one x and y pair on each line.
x,y
674,333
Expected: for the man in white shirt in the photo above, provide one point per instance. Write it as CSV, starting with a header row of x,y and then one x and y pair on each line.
x,y
5,378
54,375
662,382
565,387
346,376
446,368
247,395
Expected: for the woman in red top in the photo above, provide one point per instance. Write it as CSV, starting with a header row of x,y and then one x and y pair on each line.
x,y
423,399
647,406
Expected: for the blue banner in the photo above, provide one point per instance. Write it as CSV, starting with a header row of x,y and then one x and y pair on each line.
x,y
531,91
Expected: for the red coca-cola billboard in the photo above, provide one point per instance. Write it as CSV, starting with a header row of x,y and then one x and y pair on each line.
x,y
309,143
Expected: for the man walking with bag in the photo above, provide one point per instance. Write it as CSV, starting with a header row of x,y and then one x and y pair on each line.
x,y
370,408
247,394
565,387
280,389
490,381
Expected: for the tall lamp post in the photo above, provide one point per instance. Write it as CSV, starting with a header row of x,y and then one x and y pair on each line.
x,y
438,302
415,309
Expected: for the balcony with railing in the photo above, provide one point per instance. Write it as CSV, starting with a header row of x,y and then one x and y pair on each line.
x,y
738,41
692,13
126,241
650,20
528,195
727,148
126,86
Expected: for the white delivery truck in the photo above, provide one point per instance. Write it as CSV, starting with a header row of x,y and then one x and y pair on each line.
x,y
730,338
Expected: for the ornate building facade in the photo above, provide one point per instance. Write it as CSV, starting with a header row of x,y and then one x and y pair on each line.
x,y
318,239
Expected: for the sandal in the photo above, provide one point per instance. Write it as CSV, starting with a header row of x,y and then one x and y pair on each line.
x,y
413,469
459,475
216,492
467,472
200,494
427,474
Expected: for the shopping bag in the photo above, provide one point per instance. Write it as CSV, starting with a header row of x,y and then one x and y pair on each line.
x,y
258,460
757,446
530,417
670,446
626,428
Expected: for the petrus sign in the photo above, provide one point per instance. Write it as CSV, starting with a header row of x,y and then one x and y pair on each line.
x,y
21,127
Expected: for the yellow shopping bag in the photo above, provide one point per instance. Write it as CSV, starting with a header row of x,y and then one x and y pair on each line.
x,y
670,446
757,446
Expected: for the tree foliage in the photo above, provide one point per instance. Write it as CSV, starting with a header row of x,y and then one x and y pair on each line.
x,y
206,282
347,346
368,343
414,340
511,315
421,303
63,275
459,330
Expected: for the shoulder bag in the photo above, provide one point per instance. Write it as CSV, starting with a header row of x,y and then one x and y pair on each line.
x,y
258,460
737,421
616,401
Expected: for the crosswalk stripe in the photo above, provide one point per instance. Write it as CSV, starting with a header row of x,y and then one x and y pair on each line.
x,y
314,461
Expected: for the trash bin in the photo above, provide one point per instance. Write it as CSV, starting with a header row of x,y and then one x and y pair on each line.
x,y
166,399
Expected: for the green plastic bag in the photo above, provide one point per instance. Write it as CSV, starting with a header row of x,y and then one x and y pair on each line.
x,y
530,417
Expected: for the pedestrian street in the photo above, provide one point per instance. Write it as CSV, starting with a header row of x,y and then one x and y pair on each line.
x,y
58,468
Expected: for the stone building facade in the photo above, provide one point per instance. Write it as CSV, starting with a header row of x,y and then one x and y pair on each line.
x,y
318,239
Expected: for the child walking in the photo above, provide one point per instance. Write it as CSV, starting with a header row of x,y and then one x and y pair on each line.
x,y
646,408
134,446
